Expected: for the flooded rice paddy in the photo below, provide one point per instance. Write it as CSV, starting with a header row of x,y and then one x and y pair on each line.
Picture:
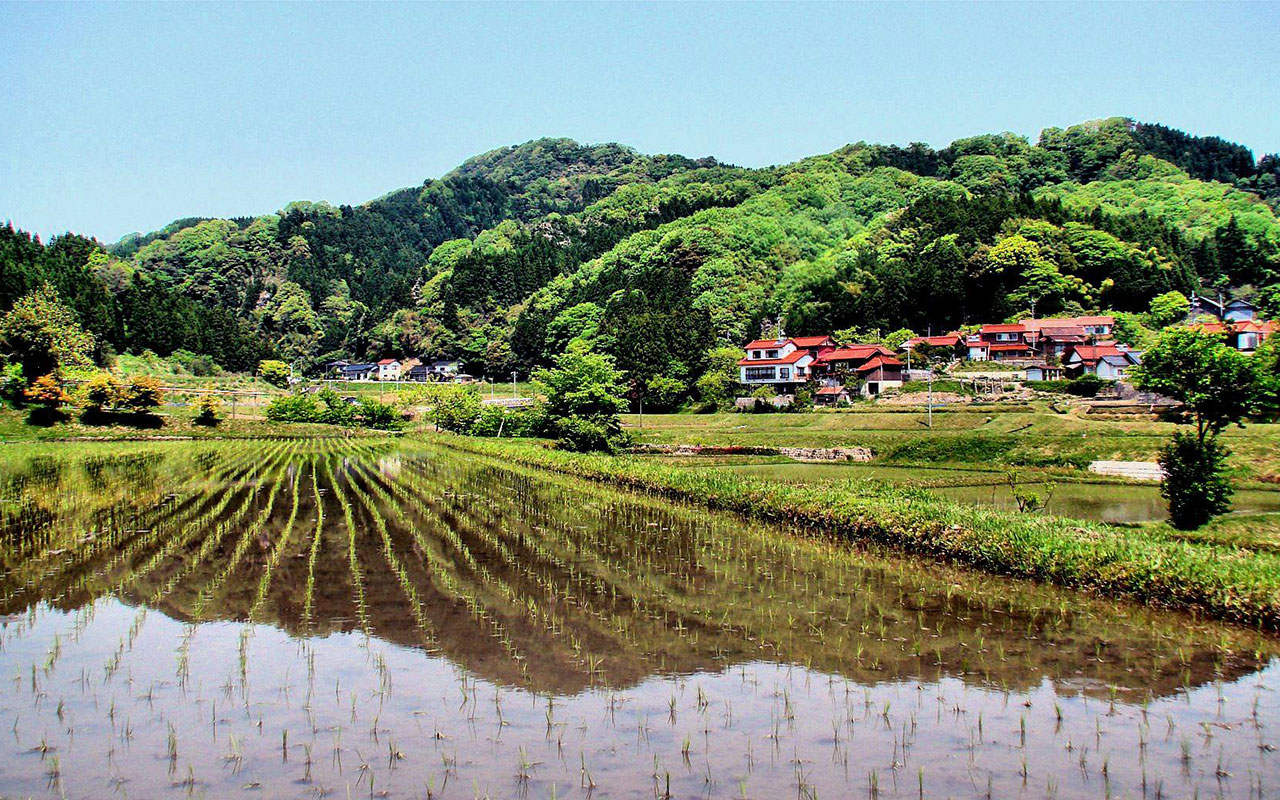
x,y
357,619
1102,502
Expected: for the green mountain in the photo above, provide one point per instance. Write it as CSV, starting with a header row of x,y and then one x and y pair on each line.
x,y
660,258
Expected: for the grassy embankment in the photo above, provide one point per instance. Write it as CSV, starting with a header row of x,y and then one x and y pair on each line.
x,y
984,436
170,423
1160,568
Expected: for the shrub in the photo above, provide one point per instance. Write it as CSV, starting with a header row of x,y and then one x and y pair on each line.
x,y
12,384
142,395
376,414
208,407
1194,483
293,408
101,391
46,398
664,394
455,408
587,435
275,373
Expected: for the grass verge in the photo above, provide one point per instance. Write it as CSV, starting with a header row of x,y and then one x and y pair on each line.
x,y
1220,580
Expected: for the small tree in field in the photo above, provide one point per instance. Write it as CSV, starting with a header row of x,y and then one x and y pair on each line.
x,y
1217,386
47,398
142,395
275,373
585,396
208,408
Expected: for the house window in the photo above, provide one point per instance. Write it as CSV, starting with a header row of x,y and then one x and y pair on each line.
x,y
1006,337
1248,341
755,353
771,354
784,374
760,373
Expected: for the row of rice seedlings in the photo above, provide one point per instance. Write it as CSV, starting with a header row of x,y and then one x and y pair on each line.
x,y
416,607
140,533
353,560
264,582
546,570
247,537
308,595
212,538
444,577
520,603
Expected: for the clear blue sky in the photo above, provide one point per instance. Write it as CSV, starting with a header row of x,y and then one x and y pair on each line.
x,y
122,117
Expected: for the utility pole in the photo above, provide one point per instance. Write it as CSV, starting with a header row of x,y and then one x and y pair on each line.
x,y
931,399
513,386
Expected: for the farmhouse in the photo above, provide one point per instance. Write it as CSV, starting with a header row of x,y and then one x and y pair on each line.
x,y
1107,360
1244,335
783,363
358,372
1005,342
388,369
1204,309
874,364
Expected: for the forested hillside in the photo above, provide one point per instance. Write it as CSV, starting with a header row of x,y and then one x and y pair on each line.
x,y
660,259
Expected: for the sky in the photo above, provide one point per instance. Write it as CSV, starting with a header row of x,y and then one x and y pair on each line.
x,y
123,117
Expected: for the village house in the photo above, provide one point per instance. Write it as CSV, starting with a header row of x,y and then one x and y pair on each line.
x,y
1244,335
1006,342
779,363
1204,309
388,369
875,365
1108,360
949,341
832,396
358,372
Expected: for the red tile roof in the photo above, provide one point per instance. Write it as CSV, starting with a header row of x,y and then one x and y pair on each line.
x,y
949,340
878,362
831,390
765,344
1060,322
812,341
789,358
854,352
1090,353
1010,328
386,361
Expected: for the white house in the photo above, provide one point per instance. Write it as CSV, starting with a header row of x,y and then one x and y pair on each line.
x,y
775,362
388,369
1108,360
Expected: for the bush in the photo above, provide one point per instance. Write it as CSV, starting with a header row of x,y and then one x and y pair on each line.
x,y
275,373
376,414
142,395
46,398
1194,483
664,394
12,385
495,420
207,408
101,391
587,435
293,408
455,408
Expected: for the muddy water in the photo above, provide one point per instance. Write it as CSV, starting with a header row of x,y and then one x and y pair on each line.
x,y
303,620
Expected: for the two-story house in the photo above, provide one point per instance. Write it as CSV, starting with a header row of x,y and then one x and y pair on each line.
x,y
779,363
875,365
1108,360
1245,335
388,369
999,343
1205,309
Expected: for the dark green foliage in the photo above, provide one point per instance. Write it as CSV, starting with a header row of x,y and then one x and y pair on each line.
x,y
1194,482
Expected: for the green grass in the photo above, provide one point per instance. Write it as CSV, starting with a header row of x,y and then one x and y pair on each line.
x,y
173,423
988,436
1208,576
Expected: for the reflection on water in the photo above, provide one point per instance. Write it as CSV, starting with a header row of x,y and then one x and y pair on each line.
x,y
321,618
1106,502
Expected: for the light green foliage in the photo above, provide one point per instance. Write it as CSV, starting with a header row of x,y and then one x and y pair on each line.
x,y
1168,308
42,335
664,393
1217,384
894,340
101,391
208,410
142,394
584,394
454,408
273,372
719,382
289,320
